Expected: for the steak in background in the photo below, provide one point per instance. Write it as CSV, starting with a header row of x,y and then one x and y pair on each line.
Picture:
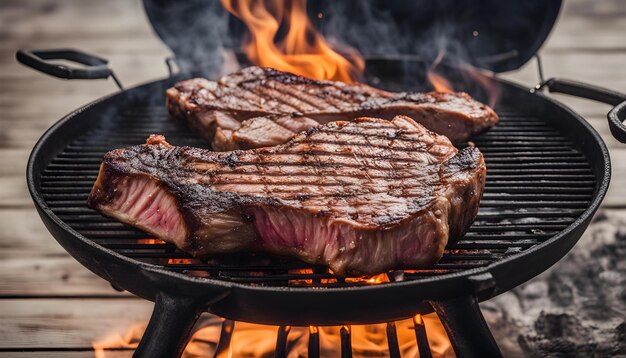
x,y
259,107
361,197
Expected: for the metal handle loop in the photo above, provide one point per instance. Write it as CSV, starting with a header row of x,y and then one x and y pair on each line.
x,y
616,116
96,67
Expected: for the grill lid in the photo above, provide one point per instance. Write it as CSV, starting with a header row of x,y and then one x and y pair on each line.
x,y
494,35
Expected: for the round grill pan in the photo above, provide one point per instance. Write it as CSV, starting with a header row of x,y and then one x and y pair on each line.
x,y
547,173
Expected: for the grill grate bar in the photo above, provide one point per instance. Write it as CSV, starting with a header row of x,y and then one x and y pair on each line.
x,y
527,200
281,341
564,154
133,234
392,340
422,339
314,342
73,214
109,224
78,195
226,333
346,342
586,178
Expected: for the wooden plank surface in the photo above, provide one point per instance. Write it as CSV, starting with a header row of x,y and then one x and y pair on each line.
x,y
66,354
67,323
32,263
57,276
41,309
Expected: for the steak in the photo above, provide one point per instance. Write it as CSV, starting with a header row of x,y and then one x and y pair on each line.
x,y
361,197
259,107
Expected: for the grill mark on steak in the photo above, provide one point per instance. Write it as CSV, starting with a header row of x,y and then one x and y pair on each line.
x,y
321,190
313,153
302,179
253,98
374,134
332,183
365,143
355,174
299,93
254,94
285,105
294,103
382,152
207,203
330,165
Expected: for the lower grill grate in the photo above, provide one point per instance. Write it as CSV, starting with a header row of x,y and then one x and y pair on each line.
x,y
538,183
344,346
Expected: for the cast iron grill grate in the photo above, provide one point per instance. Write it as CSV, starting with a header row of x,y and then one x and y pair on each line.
x,y
538,183
345,340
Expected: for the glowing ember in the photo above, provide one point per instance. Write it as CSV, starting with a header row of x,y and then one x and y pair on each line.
x,y
372,280
302,50
151,241
301,272
180,261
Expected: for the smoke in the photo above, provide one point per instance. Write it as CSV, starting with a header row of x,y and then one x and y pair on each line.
x,y
409,34
202,34
415,36
197,31
379,31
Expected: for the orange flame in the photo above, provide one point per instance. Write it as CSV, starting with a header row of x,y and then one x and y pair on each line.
x,y
253,340
485,81
302,50
439,82
115,340
478,76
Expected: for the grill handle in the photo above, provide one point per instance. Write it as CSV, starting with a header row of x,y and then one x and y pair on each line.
x,y
42,60
616,116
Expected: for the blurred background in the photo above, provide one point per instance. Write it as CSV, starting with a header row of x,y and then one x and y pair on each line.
x,y
51,306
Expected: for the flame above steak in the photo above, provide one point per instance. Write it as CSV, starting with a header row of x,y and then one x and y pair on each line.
x,y
303,50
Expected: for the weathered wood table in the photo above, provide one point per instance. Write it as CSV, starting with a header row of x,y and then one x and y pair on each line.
x,y
49,304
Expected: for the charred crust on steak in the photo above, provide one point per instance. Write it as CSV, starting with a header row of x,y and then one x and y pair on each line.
x,y
255,93
302,197
231,160
467,158
323,213
311,130
361,191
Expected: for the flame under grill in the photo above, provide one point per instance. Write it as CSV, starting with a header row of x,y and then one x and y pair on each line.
x,y
538,183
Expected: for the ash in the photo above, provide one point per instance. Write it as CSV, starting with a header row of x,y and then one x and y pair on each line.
x,y
577,308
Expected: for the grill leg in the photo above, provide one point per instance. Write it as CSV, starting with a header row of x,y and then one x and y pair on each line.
x,y
421,338
466,327
169,328
314,342
392,341
281,342
346,342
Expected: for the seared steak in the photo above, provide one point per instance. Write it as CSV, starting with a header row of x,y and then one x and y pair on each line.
x,y
259,107
361,197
